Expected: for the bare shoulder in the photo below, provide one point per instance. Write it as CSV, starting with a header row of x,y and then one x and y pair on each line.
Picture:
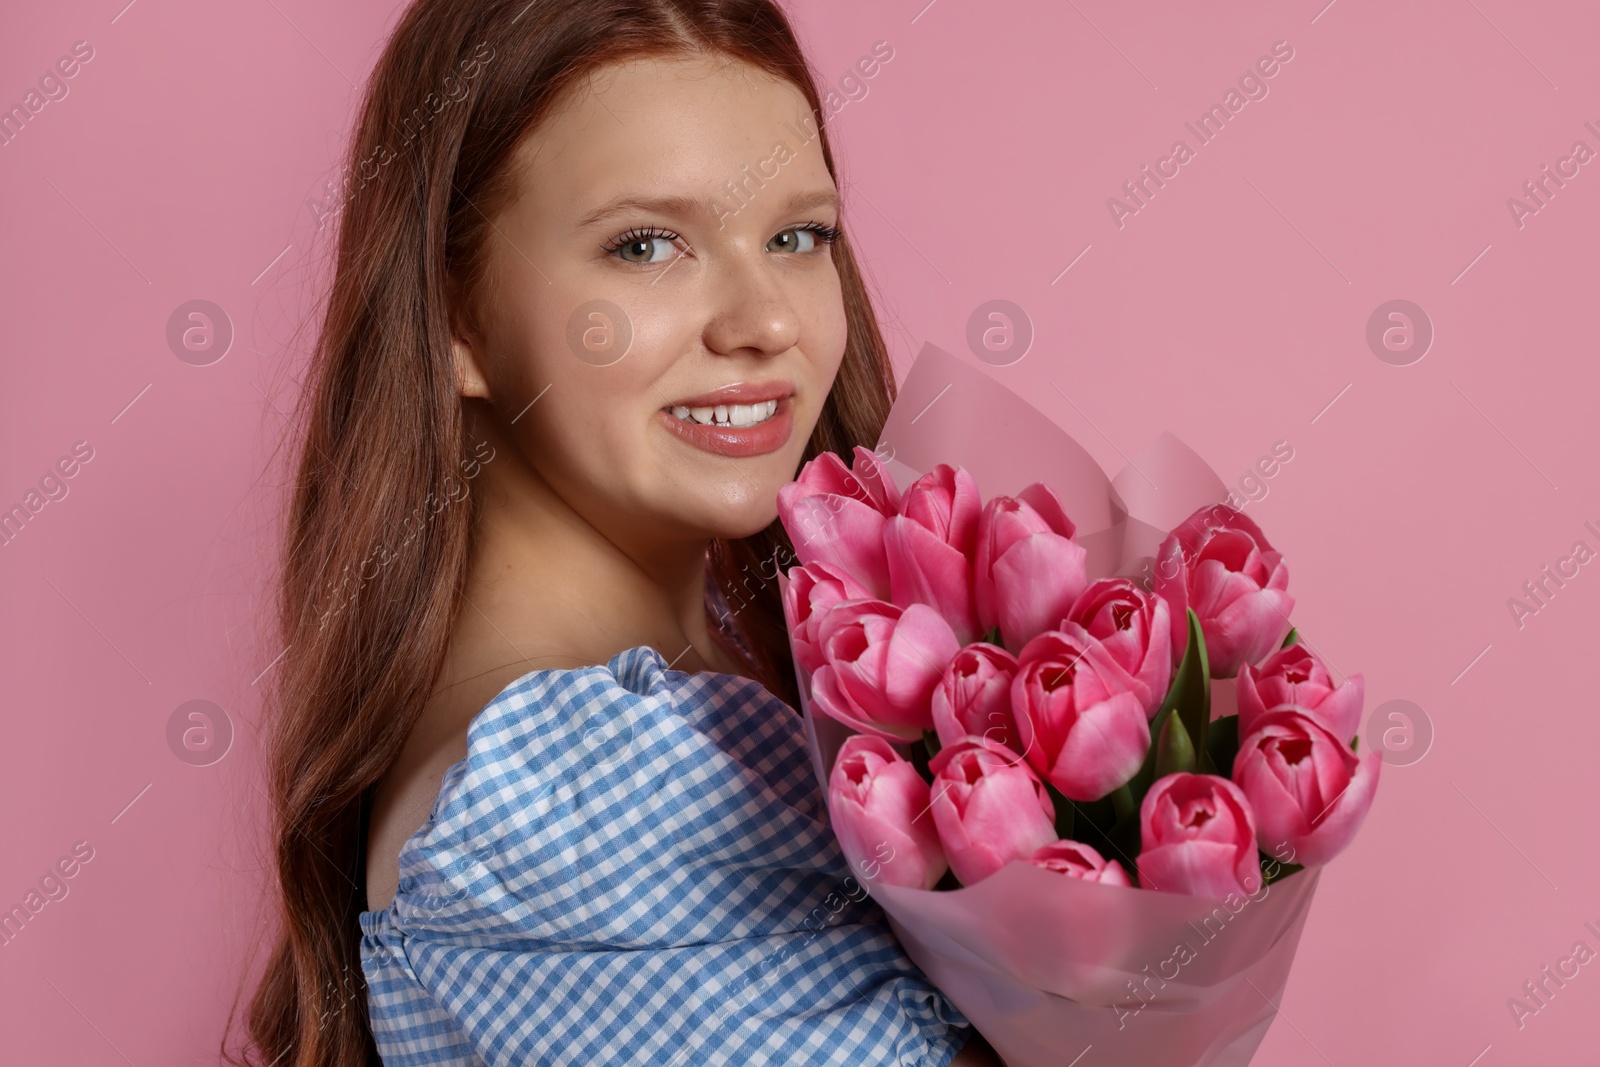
x,y
407,791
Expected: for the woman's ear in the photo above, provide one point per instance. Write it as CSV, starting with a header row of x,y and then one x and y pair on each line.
x,y
470,380
466,346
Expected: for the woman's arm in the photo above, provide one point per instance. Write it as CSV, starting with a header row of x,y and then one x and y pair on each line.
x,y
976,1053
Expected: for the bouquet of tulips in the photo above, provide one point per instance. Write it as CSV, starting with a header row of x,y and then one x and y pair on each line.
x,y
1092,806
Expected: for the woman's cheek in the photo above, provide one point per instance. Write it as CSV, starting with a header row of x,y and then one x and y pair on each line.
x,y
827,329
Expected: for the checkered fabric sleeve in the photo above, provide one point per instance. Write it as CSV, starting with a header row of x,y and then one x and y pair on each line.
x,y
633,865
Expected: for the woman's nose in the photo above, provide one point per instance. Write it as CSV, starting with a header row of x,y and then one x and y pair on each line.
x,y
751,311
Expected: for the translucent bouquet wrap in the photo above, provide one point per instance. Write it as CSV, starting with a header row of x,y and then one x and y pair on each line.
x,y
1070,740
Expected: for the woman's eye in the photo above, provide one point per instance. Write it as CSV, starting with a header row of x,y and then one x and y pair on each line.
x,y
644,248
792,241
802,238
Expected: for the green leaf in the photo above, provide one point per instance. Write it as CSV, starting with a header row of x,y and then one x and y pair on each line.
x,y
1294,635
1190,694
1174,750
1140,783
993,636
1122,804
1222,744
1279,871
1191,689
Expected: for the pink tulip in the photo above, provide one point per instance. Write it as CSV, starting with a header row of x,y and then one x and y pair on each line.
x,y
973,697
1080,721
1136,628
1198,836
811,590
836,515
1297,676
929,546
1308,788
879,807
989,807
1028,570
880,663
1077,860
1219,563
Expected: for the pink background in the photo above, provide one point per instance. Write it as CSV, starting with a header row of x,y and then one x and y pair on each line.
x,y
1231,309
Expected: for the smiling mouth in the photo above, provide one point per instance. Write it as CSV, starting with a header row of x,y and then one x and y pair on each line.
x,y
731,416
733,430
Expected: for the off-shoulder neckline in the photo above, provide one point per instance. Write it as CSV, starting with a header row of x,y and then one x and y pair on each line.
x,y
627,658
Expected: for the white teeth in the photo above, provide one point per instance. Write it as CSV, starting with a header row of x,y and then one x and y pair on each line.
x,y
728,414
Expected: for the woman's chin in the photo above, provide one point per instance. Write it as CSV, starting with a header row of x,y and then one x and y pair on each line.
x,y
719,524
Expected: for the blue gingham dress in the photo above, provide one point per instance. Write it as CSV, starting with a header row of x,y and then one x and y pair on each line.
x,y
633,865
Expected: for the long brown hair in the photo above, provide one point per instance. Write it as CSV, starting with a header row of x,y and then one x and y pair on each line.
x,y
375,555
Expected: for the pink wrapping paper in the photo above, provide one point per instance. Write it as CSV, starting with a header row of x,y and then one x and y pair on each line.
x,y
1052,970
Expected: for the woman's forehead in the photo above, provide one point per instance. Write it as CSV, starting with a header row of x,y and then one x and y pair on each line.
x,y
678,125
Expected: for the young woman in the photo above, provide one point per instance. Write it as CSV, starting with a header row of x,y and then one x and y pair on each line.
x,y
542,794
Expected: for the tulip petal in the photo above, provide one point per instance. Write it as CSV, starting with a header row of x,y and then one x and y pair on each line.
x,y
845,533
1198,836
1036,581
1078,860
828,699
1306,786
923,569
973,696
870,479
988,808
878,805
921,646
1192,570
1044,502
1340,710
1105,748
1199,868
1343,816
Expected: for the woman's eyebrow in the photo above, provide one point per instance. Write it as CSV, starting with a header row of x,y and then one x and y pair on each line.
x,y
711,207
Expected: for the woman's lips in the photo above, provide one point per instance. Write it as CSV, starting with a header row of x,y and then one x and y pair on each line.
x,y
738,393
736,441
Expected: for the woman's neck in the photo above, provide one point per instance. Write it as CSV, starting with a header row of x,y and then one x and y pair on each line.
x,y
546,581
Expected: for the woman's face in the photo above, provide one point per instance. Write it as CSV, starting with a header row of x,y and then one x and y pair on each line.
x,y
670,239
